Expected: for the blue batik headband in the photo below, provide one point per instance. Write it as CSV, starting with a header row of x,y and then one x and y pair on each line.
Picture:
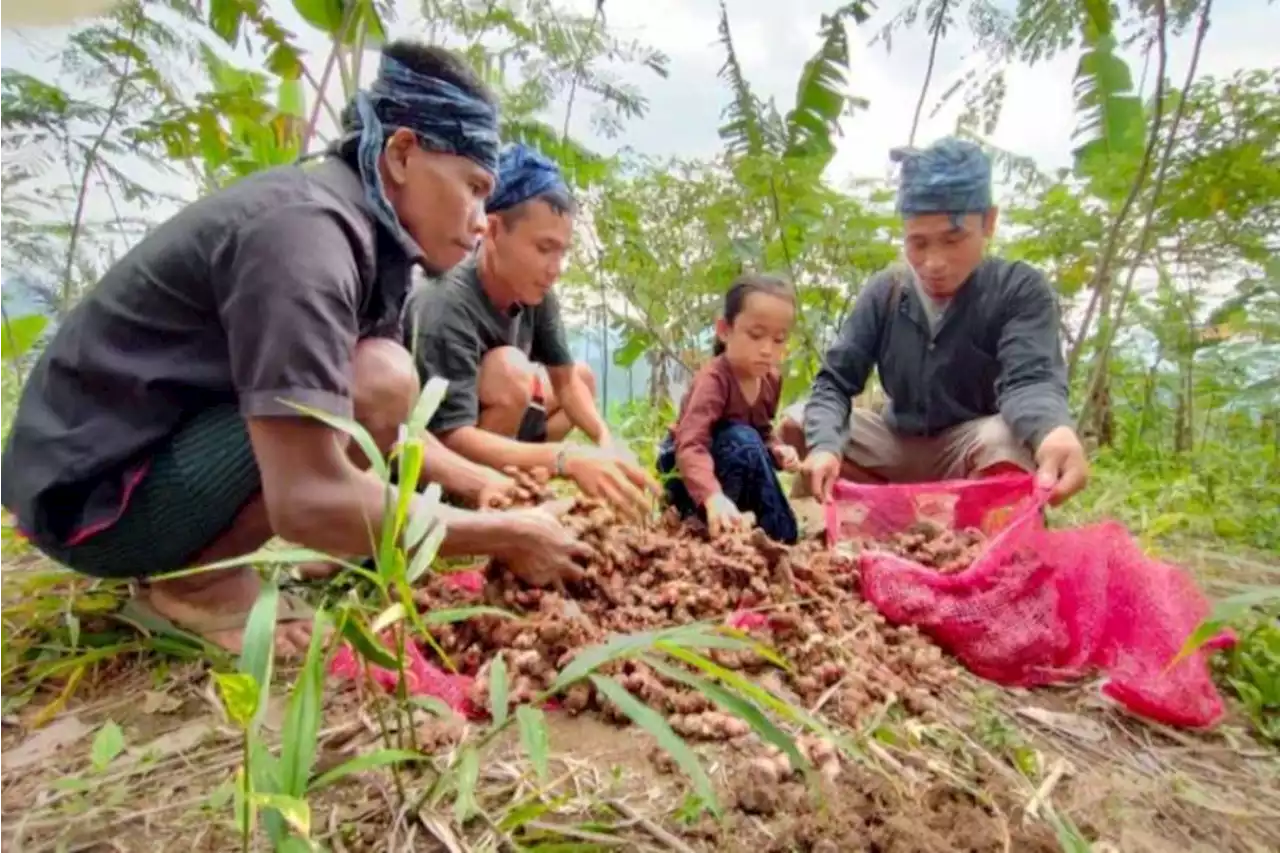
x,y
951,176
523,173
443,116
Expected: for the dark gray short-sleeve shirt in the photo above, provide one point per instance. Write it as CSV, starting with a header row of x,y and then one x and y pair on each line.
x,y
251,296
451,324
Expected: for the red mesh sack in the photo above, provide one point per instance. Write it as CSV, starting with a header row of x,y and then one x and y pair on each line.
x,y
1038,606
422,678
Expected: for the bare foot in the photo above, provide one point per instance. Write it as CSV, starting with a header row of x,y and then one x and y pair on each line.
x,y
215,605
318,571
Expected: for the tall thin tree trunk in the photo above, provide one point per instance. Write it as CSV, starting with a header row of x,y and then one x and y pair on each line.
x,y
936,26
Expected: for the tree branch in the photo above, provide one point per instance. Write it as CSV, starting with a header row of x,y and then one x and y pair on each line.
x,y
1102,274
1144,237
936,26
91,157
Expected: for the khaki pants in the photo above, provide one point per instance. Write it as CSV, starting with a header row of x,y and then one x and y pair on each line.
x,y
961,452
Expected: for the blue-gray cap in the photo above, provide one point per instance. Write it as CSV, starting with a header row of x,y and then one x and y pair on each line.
x,y
950,176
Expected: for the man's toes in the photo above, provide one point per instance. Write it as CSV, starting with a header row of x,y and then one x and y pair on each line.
x,y
317,571
293,638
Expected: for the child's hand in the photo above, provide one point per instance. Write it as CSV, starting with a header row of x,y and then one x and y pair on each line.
x,y
723,515
785,457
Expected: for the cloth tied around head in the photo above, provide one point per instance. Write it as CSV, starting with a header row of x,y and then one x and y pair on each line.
x,y
523,173
444,117
951,176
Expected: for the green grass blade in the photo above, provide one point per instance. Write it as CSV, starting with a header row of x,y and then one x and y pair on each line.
x,y
498,691
428,401
357,432
302,720
388,617
653,723
468,775
424,518
240,696
449,615
629,645
426,553
532,808
410,467
756,693
361,763
265,557
742,708
534,738
365,644
257,656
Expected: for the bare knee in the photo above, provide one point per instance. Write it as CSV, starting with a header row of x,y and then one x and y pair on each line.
x,y
792,434
385,388
791,428
506,378
996,450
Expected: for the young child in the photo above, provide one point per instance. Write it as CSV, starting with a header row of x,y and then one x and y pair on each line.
x,y
722,448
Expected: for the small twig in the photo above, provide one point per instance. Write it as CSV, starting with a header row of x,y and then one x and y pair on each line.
x,y
651,827
1042,793
581,834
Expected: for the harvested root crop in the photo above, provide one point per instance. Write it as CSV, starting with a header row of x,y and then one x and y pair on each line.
x,y
801,600
937,547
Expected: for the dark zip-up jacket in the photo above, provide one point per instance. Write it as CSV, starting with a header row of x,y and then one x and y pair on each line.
x,y
996,350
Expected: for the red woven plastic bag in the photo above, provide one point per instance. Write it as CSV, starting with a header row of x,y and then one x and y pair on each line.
x,y
422,678
1038,606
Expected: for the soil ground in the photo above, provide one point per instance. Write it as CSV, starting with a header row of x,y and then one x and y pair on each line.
x,y
995,770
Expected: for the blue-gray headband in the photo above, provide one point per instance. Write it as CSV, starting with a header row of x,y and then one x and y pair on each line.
x,y
441,115
951,176
523,173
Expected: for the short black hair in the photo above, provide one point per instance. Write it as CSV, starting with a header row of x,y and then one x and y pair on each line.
x,y
745,285
431,61
558,199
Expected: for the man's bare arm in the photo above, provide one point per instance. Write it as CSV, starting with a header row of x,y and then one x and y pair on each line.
x,y
456,474
317,498
575,398
496,451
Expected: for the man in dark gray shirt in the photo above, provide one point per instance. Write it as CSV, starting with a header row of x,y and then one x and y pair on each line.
x,y
156,432
966,346
492,328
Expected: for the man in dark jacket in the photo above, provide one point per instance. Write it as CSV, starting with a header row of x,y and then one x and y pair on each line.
x,y
967,349
156,431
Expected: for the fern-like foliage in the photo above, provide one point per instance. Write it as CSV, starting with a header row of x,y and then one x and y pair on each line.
x,y
1111,115
743,128
821,96
582,166
755,127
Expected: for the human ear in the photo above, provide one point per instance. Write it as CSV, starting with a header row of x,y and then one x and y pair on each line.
x,y
396,153
989,222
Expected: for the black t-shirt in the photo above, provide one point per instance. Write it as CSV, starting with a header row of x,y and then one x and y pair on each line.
x,y
451,324
251,296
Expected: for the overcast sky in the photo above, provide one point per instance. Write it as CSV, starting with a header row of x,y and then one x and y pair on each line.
x,y
775,37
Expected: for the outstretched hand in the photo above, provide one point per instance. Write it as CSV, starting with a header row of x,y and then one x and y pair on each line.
x,y
604,474
541,550
1063,467
785,457
723,515
821,469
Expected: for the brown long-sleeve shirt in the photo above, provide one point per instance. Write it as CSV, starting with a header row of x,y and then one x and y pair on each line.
x,y
715,396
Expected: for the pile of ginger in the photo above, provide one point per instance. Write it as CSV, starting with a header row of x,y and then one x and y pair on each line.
x,y
802,601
